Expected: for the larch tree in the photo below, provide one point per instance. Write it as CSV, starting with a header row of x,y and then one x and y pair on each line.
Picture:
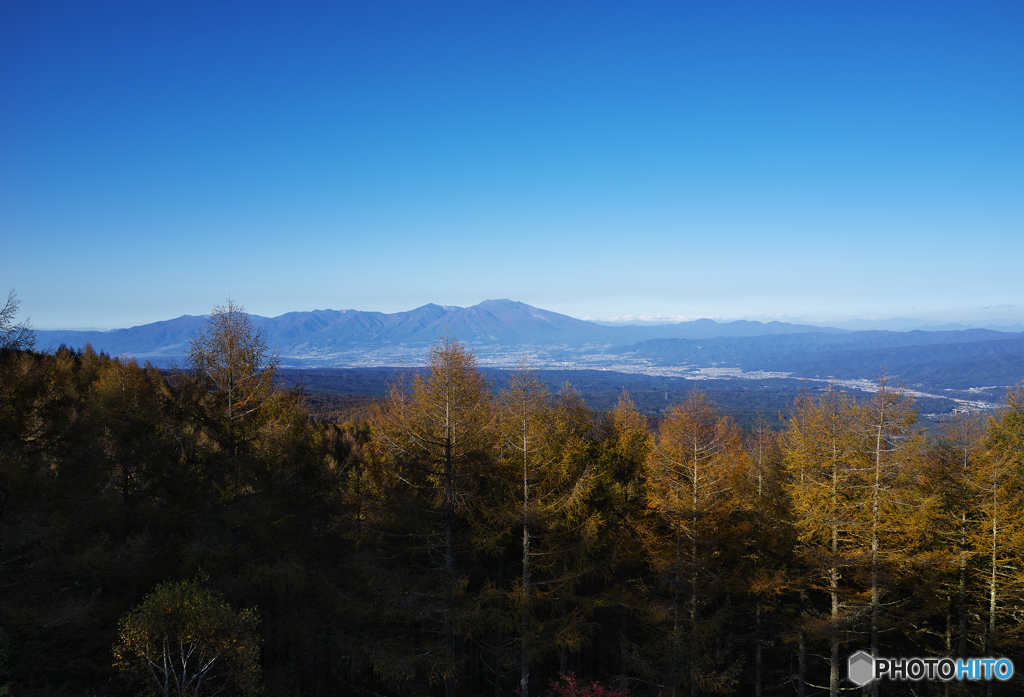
x,y
572,524
956,461
124,407
229,357
999,534
893,514
627,443
434,442
530,447
545,449
769,538
820,454
691,474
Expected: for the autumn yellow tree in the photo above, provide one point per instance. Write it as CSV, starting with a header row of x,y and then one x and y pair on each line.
x,y
768,535
819,447
893,516
955,461
433,444
999,533
544,444
627,442
691,474
230,356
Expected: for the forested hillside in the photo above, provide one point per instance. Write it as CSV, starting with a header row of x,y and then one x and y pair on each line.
x,y
464,541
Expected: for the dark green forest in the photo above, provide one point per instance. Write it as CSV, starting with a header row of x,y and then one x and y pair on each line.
x,y
461,537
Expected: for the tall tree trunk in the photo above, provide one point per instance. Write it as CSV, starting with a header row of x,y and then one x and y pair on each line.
x,y
676,641
874,554
757,650
524,661
499,658
991,638
449,569
801,678
962,638
833,683
694,638
949,637
623,652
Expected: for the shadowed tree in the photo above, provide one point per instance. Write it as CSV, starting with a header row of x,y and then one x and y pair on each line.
x,y
433,443
544,446
229,357
627,443
769,539
894,514
124,407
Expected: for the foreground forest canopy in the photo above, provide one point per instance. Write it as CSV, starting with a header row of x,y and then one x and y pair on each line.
x,y
464,540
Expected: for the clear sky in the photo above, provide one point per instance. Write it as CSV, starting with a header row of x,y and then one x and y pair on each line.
x,y
600,159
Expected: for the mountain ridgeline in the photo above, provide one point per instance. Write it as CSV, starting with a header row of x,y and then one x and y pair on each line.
x,y
502,332
491,322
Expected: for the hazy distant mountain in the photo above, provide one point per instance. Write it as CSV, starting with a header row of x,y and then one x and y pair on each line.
x,y
909,324
160,341
492,322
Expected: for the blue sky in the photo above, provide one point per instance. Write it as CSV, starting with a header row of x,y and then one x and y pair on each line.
x,y
601,159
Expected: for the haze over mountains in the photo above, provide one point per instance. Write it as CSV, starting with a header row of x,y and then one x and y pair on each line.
x,y
503,332
303,335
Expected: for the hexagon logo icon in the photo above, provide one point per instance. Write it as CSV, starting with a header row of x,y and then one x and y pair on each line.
x,y
860,668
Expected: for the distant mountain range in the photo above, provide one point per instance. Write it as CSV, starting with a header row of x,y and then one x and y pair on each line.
x,y
503,331
491,323
909,324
